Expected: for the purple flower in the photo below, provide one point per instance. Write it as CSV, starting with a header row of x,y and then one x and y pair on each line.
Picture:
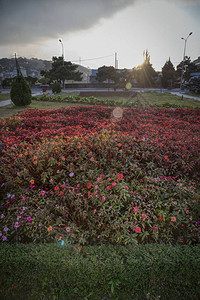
x,y
71,174
197,223
4,238
6,229
29,219
2,216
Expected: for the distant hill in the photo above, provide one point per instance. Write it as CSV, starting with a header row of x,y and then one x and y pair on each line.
x,y
32,66
8,64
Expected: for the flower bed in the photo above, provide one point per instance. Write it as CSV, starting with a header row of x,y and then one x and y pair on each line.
x,y
79,175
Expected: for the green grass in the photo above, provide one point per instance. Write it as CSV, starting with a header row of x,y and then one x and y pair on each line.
x,y
10,110
99,272
4,97
193,94
154,98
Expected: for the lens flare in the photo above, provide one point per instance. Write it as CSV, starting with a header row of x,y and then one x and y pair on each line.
x,y
128,86
117,113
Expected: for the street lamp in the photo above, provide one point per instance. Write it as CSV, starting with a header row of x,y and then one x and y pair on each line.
x,y
62,50
181,85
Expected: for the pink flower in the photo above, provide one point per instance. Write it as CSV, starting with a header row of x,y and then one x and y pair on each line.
x,y
16,224
109,188
120,176
43,193
103,198
160,218
114,183
138,230
144,216
155,228
135,209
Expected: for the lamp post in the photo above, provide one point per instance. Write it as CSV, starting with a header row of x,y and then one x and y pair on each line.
x,y
62,50
181,85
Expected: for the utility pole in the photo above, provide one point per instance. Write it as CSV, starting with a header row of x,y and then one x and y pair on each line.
x,y
116,61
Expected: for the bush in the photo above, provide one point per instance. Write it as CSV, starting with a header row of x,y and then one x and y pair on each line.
x,y
74,174
194,85
56,87
20,92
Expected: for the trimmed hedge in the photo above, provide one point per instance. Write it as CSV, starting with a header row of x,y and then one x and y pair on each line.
x,y
105,272
20,92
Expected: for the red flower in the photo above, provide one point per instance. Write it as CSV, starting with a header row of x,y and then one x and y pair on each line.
x,y
155,228
135,209
56,188
138,230
120,176
144,216
89,185
160,218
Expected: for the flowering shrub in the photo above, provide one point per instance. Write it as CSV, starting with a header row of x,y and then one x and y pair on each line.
x,y
77,175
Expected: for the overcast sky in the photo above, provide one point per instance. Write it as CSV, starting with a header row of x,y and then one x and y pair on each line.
x,y
93,30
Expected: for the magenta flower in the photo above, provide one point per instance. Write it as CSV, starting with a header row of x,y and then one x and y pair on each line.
x,y
29,219
43,193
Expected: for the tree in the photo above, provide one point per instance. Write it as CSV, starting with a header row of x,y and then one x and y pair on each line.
x,y
31,80
109,74
7,82
61,72
145,73
20,91
168,74
189,67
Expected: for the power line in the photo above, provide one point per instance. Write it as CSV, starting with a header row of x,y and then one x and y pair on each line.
x,y
92,58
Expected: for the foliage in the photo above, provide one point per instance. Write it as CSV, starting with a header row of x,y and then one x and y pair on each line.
x,y
31,80
145,73
7,82
194,85
20,92
108,74
189,67
168,74
85,177
99,272
56,87
62,71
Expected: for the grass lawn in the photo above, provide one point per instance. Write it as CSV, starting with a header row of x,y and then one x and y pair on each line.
x,y
4,97
10,110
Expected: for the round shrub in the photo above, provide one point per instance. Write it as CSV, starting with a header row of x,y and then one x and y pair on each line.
x,y
20,92
56,88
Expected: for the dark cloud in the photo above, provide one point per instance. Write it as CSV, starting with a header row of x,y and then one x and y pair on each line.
x,y
25,21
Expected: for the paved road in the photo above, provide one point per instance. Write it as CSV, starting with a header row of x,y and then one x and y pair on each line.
x,y
36,92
